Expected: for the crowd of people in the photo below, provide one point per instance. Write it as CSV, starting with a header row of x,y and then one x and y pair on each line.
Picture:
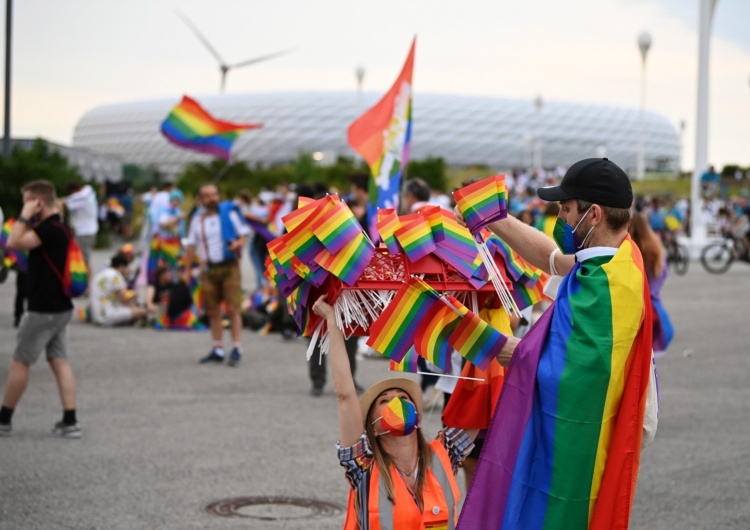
x,y
583,234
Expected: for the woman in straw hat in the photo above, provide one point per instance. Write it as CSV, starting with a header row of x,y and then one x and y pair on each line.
x,y
399,480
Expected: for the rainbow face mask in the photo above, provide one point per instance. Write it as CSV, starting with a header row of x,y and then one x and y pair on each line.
x,y
398,417
566,237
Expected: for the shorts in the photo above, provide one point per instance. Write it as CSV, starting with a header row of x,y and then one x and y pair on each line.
x,y
222,283
42,331
87,244
114,316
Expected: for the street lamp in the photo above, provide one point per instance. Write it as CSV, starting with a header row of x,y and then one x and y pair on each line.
x,y
538,104
6,124
682,146
697,227
644,43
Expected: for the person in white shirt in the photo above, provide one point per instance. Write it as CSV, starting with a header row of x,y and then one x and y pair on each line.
x,y
83,208
218,234
111,302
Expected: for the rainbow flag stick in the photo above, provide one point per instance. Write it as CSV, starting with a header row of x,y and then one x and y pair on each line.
x,y
498,282
453,376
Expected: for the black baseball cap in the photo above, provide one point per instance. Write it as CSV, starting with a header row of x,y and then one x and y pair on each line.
x,y
595,180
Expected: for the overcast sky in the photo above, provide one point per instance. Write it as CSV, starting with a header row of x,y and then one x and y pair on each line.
x,y
70,56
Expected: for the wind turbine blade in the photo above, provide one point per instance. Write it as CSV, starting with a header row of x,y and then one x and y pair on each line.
x,y
262,58
200,36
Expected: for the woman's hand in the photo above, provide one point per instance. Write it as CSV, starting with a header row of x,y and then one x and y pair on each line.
x,y
323,309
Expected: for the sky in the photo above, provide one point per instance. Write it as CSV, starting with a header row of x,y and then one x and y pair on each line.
x,y
70,56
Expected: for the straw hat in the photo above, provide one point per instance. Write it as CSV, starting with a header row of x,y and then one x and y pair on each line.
x,y
407,385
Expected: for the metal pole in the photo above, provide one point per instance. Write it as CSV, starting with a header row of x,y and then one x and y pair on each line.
x,y
6,125
697,225
644,43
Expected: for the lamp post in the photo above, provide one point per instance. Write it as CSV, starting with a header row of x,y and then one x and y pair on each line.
x,y
644,43
538,104
6,124
360,75
697,226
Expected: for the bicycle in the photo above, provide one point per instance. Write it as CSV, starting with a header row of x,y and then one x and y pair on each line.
x,y
718,257
678,256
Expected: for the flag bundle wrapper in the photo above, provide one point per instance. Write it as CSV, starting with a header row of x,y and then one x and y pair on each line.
x,y
16,259
563,449
188,125
382,136
483,202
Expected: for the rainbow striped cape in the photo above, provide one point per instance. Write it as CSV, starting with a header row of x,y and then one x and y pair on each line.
x,y
564,443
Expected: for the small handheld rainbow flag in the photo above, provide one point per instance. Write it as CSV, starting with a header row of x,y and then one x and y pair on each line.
x,y
431,341
475,339
407,364
393,333
482,203
188,125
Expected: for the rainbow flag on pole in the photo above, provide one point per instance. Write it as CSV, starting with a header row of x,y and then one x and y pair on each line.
x,y
382,136
563,449
188,125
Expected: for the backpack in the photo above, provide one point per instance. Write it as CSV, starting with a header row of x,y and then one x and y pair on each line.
x,y
75,277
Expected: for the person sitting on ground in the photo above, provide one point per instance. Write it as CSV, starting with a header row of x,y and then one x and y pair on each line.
x,y
111,302
398,479
157,292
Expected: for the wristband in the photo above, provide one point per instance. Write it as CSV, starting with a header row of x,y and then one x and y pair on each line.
x,y
23,220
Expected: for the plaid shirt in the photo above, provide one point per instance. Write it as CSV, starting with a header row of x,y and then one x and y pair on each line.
x,y
358,460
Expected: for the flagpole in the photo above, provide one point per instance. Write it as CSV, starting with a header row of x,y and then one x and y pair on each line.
x,y
223,171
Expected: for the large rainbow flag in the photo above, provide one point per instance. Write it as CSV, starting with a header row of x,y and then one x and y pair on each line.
x,y
382,136
190,126
563,448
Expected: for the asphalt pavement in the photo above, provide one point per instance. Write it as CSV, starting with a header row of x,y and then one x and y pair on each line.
x,y
165,437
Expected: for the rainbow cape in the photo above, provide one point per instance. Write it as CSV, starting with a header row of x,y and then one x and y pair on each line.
x,y
188,125
563,448
382,136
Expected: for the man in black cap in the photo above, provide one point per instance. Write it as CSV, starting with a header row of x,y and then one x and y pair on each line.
x,y
581,394
595,198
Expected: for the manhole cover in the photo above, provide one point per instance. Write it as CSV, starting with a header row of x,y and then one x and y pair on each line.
x,y
272,508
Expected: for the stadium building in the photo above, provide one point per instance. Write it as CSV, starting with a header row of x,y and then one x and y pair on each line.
x,y
463,130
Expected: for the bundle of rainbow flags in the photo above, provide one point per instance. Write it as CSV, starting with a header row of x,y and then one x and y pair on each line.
x,y
326,251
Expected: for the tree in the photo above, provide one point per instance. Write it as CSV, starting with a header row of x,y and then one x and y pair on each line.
x,y
431,170
24,165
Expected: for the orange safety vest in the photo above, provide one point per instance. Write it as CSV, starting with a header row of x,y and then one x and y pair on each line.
x,y
440,499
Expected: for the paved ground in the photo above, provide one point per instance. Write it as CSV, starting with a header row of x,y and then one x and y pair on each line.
x,y
164,437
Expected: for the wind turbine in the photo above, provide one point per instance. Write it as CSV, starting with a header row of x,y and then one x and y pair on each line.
x,y
223,66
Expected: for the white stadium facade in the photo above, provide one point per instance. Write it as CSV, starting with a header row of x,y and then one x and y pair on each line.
x,y
463,130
